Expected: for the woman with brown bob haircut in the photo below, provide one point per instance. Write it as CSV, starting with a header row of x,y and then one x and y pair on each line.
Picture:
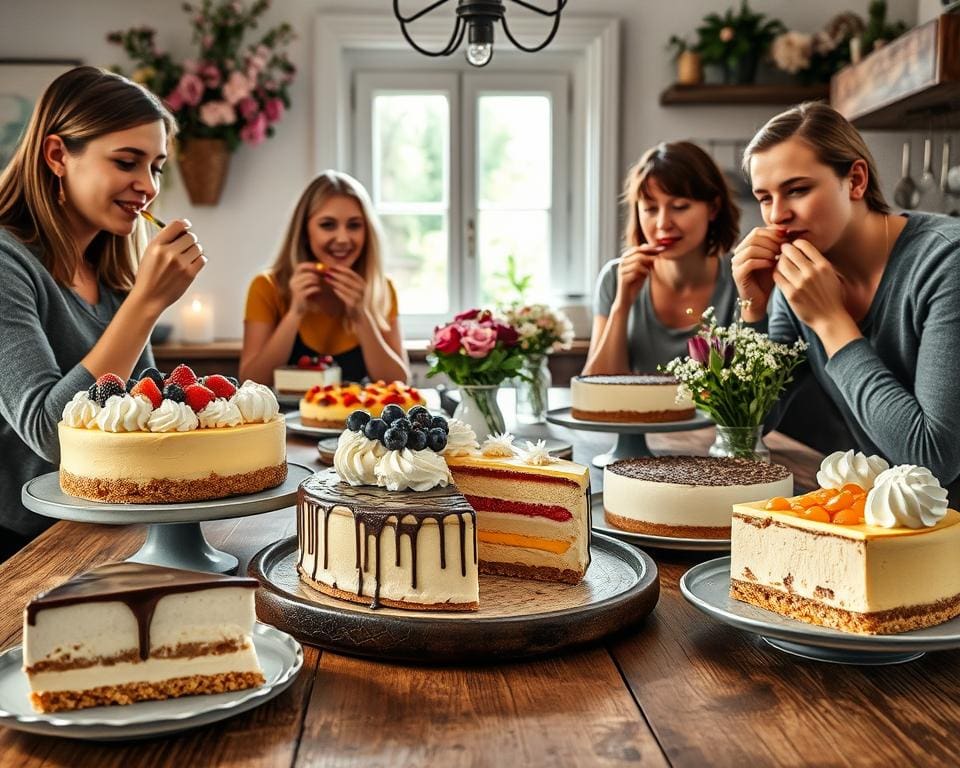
x,y
681,222
875,295
76,303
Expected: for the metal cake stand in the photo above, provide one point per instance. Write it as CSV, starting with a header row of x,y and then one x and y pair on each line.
x,y
174,537
631,438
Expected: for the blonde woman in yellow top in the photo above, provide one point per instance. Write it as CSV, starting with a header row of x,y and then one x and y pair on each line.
x,y
326,293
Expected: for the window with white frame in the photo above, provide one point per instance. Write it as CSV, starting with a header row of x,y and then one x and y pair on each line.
x,y
469,174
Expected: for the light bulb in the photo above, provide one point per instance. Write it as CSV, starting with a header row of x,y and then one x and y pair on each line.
x,y
479,54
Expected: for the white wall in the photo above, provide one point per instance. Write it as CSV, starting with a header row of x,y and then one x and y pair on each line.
x,y
241,233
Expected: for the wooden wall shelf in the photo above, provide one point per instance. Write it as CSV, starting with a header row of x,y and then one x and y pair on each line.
x,y
690,95
912,83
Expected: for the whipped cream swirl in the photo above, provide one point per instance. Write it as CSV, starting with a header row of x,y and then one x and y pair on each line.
x,y
124,413
905,496
81,412
537,454
172,417
843,467
498,446
461,439
416,470
256,402
356,457
220,413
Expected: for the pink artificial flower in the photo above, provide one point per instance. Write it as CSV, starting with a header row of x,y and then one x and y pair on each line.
x,y
236,88
211,75
191,89
215,113
478,340
248,108
254,133
273,109
446,339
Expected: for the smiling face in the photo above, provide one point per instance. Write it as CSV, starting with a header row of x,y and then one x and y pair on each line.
x,y
337,231
679,224
802,196
115,176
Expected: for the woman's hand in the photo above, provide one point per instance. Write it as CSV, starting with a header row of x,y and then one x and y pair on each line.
x,y
305,283
169,265
635,265
811,286
347,286
754,261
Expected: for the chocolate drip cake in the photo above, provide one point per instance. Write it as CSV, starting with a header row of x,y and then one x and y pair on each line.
x,y
686,496
635,398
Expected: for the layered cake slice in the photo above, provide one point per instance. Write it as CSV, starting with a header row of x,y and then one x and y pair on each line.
x,y
126,632
876,553
533,510
309,372
625,399
329,407
689,497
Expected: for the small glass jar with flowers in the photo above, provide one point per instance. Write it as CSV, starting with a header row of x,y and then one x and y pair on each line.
x,y
736,374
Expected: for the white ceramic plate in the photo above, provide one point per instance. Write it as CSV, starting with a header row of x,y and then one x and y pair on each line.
x,y
707,586
649,540
295,425
280,658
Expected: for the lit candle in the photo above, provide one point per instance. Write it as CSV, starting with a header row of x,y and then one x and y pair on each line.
x,y
196,323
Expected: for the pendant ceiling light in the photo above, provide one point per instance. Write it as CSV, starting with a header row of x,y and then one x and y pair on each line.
x,y
476,19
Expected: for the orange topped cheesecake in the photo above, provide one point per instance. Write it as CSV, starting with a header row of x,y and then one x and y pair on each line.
x,y
329,406
875,559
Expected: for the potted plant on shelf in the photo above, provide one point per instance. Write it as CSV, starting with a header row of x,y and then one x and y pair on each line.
x,y
736,41
230,94
816,58
689,64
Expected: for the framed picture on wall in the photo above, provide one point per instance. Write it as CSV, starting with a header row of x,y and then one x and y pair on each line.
x,y
22,81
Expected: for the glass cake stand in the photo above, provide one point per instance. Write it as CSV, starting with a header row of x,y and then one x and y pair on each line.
x,y
174,538
631,438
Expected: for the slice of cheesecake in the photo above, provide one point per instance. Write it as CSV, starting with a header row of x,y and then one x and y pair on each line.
x,y
127,632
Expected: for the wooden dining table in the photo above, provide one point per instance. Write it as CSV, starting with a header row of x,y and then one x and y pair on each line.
x,y
681,689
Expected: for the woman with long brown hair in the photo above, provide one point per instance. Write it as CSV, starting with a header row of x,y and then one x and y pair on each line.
x,y
326,293
76,304
681,221
874,294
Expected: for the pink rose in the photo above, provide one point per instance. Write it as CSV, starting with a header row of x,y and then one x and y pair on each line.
x,y
507,334
446,339
254,133
478,340
236,88
248,108
174,100
273,109
215,113
191,89
211,75
469,314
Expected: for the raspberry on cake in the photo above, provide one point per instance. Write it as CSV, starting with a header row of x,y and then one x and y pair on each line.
x,y
310,371
874,553
182,443
686,497
127,632
329,406
629,399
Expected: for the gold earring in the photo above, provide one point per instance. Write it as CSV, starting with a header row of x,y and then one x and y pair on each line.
x,y
61,197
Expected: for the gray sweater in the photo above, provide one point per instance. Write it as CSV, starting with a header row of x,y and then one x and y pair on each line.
x,y
45,331
897,388
650,342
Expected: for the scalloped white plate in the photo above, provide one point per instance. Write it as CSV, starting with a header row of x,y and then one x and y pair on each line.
x,y
281,658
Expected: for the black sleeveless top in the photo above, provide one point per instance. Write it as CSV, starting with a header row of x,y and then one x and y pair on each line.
x,y
351,363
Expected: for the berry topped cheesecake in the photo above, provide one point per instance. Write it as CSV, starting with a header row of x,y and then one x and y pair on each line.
x,y
310,371
171,438
329,406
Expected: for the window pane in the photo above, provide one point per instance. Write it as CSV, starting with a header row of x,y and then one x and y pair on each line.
x,y
410,147
514,151
525,235
417,261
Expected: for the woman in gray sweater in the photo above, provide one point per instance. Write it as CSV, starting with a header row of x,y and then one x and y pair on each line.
x,y
73,306
875,295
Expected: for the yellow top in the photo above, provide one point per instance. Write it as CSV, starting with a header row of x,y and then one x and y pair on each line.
x,y
860,532
567,470
318,330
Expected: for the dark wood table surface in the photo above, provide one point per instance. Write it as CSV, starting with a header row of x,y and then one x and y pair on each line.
x,y
681,690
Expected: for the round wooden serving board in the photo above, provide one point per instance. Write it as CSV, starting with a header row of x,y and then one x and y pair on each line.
x,y
517,618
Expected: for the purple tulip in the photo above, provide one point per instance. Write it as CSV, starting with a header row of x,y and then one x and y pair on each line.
x,y
724,350
698,349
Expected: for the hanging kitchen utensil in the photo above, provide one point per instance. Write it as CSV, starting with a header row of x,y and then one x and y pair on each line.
x,y
906,194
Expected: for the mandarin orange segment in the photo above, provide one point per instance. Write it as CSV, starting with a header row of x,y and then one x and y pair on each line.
x,y
794,507
853,488
858,505
848,517
841,501
808,500
778,504
816,513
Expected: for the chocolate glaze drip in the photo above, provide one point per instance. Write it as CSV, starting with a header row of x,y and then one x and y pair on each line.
x,y
373,510
699,470
635,378
138,586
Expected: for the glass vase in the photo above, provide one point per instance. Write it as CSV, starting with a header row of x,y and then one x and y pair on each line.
x,y
478,407
740,443
532,390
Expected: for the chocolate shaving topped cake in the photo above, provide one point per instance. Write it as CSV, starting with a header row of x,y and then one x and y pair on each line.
x,y
634,398
686,496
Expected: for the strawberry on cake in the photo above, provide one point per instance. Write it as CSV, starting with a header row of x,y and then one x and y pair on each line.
x,y
310,371
171,438
328,407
